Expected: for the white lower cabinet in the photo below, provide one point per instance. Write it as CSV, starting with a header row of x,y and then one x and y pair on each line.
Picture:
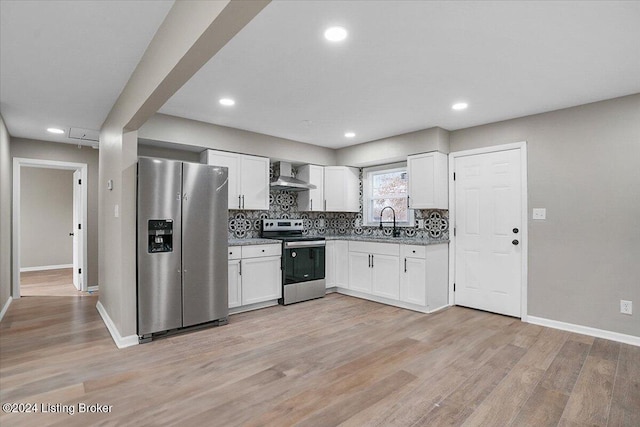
x,y
408,276
385,276
254,274
235,291
373,268
336,263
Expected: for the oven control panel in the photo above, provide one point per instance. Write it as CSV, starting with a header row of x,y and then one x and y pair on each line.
x,y
282,225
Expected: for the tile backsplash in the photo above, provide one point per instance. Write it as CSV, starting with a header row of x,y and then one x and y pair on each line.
x,y
284,204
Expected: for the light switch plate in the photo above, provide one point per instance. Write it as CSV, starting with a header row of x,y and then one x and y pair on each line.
x,y
539,213
116,211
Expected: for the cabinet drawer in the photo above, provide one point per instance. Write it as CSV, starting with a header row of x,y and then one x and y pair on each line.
x,y
234,252
261,250
375,248
413,251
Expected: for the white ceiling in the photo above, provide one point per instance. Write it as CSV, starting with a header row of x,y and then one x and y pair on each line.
x,y
401,68
64,63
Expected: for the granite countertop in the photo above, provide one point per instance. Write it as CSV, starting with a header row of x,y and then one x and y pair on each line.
x,y
379,239
244,242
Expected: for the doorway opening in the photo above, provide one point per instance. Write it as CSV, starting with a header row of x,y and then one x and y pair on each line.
x,y
41,275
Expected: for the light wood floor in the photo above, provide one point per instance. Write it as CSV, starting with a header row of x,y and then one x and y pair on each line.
x,y
333,361
57,282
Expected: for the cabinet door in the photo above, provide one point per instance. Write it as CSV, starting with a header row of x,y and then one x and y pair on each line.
x,y
360,272
330,264
341,189
232,162
341,263
235,295
428,181
385,276
312,200
261,279
254,183
413,277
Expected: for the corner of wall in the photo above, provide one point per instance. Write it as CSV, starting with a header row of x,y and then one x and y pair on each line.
x,y
5,217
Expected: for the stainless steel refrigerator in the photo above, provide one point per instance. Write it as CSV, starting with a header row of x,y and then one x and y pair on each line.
x,y
182,245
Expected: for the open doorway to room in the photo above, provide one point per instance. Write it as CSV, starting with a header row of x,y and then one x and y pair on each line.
x,y
49,218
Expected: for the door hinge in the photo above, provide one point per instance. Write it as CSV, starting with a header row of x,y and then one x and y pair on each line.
x,y
454,232
454,287
79,182
454,176
79,226
79,271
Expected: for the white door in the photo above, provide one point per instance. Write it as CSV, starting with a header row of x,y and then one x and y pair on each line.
x,y
386,281
77,230
413,281
488,216
235,295
232,162
254,182
360,271
261,279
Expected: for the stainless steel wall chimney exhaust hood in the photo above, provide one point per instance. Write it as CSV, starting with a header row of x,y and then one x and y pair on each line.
x,y
285,181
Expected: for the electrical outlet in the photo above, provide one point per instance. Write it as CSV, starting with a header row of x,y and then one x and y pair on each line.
x,y
626,307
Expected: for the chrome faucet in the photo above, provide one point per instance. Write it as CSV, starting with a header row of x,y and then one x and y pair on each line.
x,y
395,232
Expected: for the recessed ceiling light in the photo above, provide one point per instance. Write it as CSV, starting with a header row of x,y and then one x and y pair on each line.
x,y
460,106
335,34
55,130
227,101
349,134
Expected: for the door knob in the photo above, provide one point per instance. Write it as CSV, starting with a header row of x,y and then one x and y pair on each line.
x,y
70,234
515,231
515,242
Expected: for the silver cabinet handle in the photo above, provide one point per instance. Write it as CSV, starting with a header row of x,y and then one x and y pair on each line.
x,y
243,201
405,265
371,260
325,205
311,200
240,268
239,203
408,204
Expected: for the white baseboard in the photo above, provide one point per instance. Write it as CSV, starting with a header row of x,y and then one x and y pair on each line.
x,y
46,267
5,308
251,307
585,330
120,341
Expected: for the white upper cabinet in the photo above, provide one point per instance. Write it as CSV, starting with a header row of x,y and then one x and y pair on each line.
x,y
337,189
341,189
248,178
312,200
428,181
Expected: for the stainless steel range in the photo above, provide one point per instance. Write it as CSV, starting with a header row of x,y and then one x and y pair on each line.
x,y
302,260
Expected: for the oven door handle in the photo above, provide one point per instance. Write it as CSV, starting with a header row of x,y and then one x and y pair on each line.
x,y
307,244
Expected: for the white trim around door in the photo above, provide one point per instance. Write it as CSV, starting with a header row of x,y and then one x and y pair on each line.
x,y
18,164
522,146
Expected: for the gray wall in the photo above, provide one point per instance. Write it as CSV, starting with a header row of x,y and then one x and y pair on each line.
x,y
5,215
395,148
46,217
34,149
177,130
584,168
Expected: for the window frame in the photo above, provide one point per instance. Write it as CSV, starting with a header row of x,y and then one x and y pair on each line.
x,y
367,183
